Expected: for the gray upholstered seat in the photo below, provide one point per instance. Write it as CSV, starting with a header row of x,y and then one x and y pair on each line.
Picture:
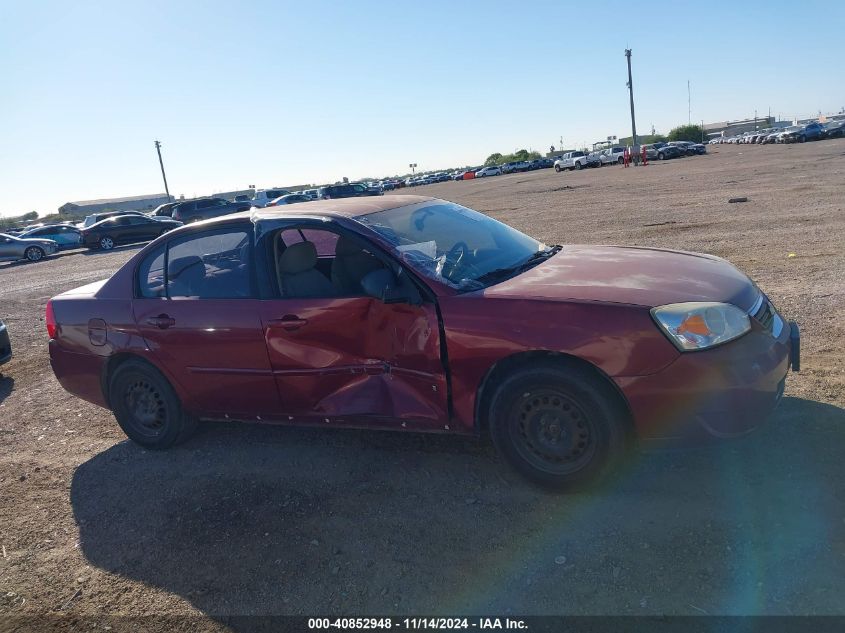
x,y
186,276
298,275
351,263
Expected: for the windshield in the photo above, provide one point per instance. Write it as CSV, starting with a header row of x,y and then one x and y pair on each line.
x,y
459,247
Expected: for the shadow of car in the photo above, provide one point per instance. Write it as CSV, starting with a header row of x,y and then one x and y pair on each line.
x,y
262,520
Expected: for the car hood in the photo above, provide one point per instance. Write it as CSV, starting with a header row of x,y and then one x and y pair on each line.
x,y
630,275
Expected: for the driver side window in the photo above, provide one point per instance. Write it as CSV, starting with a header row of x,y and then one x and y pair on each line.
x,y
312,263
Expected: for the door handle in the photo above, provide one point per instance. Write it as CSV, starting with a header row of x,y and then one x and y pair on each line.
x,y
289,322
162,321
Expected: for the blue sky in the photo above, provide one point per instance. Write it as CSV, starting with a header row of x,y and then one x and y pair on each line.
x,y
276,93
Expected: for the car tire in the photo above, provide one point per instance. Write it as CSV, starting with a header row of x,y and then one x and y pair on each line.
x,y
147,408
802,139
106,243
557,168
661,156
578,166
34,253
558,425
621,161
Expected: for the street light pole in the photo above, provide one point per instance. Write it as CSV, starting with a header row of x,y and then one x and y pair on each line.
x,y
163,175
631,93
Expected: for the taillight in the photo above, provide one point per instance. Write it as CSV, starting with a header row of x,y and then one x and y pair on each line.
x,y
52,326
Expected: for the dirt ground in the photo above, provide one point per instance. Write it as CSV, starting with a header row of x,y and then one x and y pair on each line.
x,y
265,520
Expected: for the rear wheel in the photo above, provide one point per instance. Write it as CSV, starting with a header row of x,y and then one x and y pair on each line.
x,y
146,406
106,243
559,426
34,254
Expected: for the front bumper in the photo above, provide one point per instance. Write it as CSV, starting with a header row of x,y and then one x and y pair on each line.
x,y
727,391
5,345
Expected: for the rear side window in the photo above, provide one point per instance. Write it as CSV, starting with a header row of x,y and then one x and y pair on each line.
x,y
151,279
209,265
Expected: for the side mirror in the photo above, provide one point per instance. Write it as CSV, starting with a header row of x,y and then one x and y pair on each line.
x,y
380,284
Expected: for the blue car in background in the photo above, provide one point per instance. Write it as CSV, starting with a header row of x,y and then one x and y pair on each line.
x,y
65,235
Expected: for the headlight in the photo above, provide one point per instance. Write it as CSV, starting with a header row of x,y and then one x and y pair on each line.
x,y
699,325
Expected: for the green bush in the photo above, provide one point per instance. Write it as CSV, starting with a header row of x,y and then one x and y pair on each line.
x,y
691,133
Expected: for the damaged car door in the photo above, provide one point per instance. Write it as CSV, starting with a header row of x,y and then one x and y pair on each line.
x,y
338,355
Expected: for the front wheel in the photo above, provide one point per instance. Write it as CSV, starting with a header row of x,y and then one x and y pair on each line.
x,y
146,406
578,166
661,156
106,243
557,168
34,254
559,426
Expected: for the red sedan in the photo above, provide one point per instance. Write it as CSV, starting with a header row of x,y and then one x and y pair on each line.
x,y
413,313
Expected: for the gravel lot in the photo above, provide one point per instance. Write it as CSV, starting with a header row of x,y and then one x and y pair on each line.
x,y
266,520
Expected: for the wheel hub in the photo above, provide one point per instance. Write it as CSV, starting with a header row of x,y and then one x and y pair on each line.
x,y
146,406
553,430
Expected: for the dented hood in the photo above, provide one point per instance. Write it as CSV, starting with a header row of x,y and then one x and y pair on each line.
x,y
631,275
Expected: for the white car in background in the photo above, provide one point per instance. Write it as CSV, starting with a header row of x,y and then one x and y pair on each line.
x,y
571,160
263,197
492,170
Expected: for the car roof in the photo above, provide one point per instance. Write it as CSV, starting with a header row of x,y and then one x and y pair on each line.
x,y
344,207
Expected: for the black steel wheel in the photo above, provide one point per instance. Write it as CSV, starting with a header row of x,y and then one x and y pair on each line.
x,y
558,425
146,406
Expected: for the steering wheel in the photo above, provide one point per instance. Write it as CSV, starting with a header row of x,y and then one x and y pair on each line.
x,y
453,258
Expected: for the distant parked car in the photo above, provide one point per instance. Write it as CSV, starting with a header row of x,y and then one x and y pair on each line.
x,y
492,170
163,210
346,190
34,249
612,156
125,229
242,198
291,198
690,149
97,217
5,344
662,151
789,134
813,132
571,160
465,174
834,129
264,196
64,235
205,208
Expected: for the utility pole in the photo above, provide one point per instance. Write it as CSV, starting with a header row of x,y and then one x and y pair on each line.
x,y
631,94
689,106
160,162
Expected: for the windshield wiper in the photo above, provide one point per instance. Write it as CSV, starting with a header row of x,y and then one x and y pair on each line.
x,y
499,274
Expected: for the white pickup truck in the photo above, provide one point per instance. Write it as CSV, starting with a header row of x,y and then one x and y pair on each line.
x,y
571,160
